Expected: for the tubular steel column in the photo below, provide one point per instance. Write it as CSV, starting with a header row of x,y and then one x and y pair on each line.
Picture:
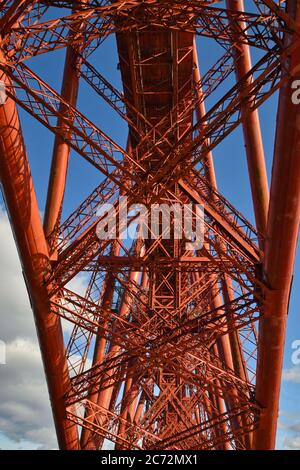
x,y
280,250
61,150
200,112
101,338
251,129
30,240
233,355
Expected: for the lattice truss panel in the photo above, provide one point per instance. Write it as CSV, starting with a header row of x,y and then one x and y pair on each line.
x,y
161,345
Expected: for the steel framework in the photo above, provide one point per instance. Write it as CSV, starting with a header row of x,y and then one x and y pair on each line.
x,y
169,347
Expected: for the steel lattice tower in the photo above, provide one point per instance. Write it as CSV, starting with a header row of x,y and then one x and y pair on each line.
x,y
185,345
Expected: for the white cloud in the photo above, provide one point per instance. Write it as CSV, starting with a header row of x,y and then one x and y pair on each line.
x,y
15,310
24,404
290,426
292,374
292,443
25,413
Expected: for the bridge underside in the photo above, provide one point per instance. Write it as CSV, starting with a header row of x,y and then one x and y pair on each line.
x,y
170,344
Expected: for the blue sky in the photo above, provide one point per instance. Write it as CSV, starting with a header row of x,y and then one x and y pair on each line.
x,y
231,170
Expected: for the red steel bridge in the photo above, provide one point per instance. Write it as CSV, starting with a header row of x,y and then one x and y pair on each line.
x,y
167,347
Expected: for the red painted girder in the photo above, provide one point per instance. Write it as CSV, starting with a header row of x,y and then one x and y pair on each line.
x,y
24,214
100,22
251,128
280,248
